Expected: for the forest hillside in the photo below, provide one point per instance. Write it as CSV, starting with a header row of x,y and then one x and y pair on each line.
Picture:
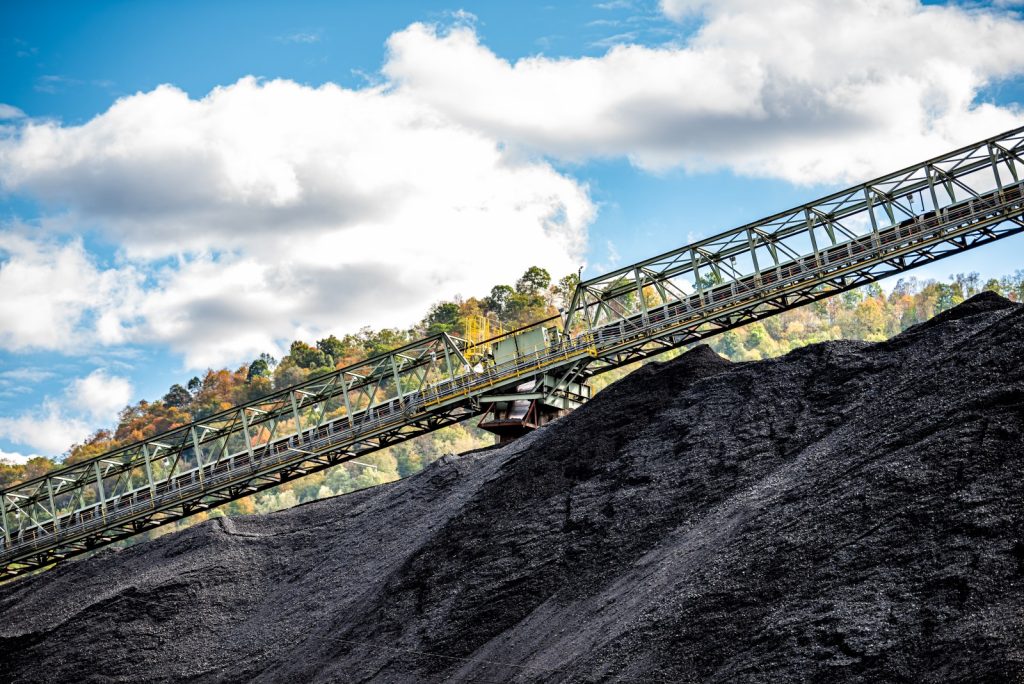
x,y
867,314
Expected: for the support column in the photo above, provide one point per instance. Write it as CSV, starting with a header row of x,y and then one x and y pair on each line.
x,y
248,437
398,381
3,516
149,473
295,417
348,403
199,456
99,489
814,240
53,506
995,168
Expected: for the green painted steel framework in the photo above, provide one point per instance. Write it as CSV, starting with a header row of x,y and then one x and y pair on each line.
x,y
958,201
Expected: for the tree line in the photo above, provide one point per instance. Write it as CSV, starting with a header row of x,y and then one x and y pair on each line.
x,y
867,313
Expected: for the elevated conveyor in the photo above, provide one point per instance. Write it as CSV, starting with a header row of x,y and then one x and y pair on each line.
x,y
963,199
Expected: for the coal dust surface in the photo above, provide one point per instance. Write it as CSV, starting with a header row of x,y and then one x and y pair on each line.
x,y
847,512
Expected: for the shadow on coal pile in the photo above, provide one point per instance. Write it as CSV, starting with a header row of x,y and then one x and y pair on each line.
x,y
848,512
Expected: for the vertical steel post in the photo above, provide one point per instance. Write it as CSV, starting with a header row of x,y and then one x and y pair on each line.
x,y
448,361
3,516
1011,162
814,241
830,230
995,168
394,374
348,404
640,293
248,437
53,506
149,472
199,455
931,189
753,252
326,394
696,277
99,489
222,449
295,416
871,212
586,310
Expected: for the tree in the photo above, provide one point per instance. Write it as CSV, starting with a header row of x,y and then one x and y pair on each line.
x,y
870,317
99,442
533,281
443,317
757,336
969,285
497,301
948,296
565,289
332,347
305,356
382,341
288,373
730,344
903,287
994,285
710,280
195,385
851,298
177,397
258,369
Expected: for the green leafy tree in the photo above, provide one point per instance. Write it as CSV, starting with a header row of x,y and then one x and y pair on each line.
x,y
534,281
333,348
710,280
730,344
995,285
258,369
498,301
565,289
443,317
177,396
305,356
383,341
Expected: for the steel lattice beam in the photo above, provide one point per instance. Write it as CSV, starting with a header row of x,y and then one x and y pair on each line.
x,y
963,199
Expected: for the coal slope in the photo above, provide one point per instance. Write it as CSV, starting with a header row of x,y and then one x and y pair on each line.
x,y
849,512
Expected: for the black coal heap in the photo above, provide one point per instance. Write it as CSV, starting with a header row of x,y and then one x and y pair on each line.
x,y
848,512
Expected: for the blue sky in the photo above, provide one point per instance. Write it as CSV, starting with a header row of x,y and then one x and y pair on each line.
x,y
198,224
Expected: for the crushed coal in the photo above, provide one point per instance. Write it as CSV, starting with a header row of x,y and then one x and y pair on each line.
x,y
847,512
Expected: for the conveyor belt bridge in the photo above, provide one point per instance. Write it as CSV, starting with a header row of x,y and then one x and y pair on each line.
x,y
931,210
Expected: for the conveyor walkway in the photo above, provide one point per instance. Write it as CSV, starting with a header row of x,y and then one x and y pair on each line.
x,y
889,225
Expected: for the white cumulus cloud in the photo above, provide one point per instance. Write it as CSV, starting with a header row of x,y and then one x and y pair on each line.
x,y
54,296
88,403
806,91
47,428
10,112
286,211
267,211
100,396
15,458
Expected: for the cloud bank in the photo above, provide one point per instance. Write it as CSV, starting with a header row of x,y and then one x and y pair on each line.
x,y
809,92
87,402
268,210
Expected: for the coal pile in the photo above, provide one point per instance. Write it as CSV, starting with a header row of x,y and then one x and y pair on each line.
x,y
848,512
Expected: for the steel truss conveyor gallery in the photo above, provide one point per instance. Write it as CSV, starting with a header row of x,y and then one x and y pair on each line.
x,y
928,211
